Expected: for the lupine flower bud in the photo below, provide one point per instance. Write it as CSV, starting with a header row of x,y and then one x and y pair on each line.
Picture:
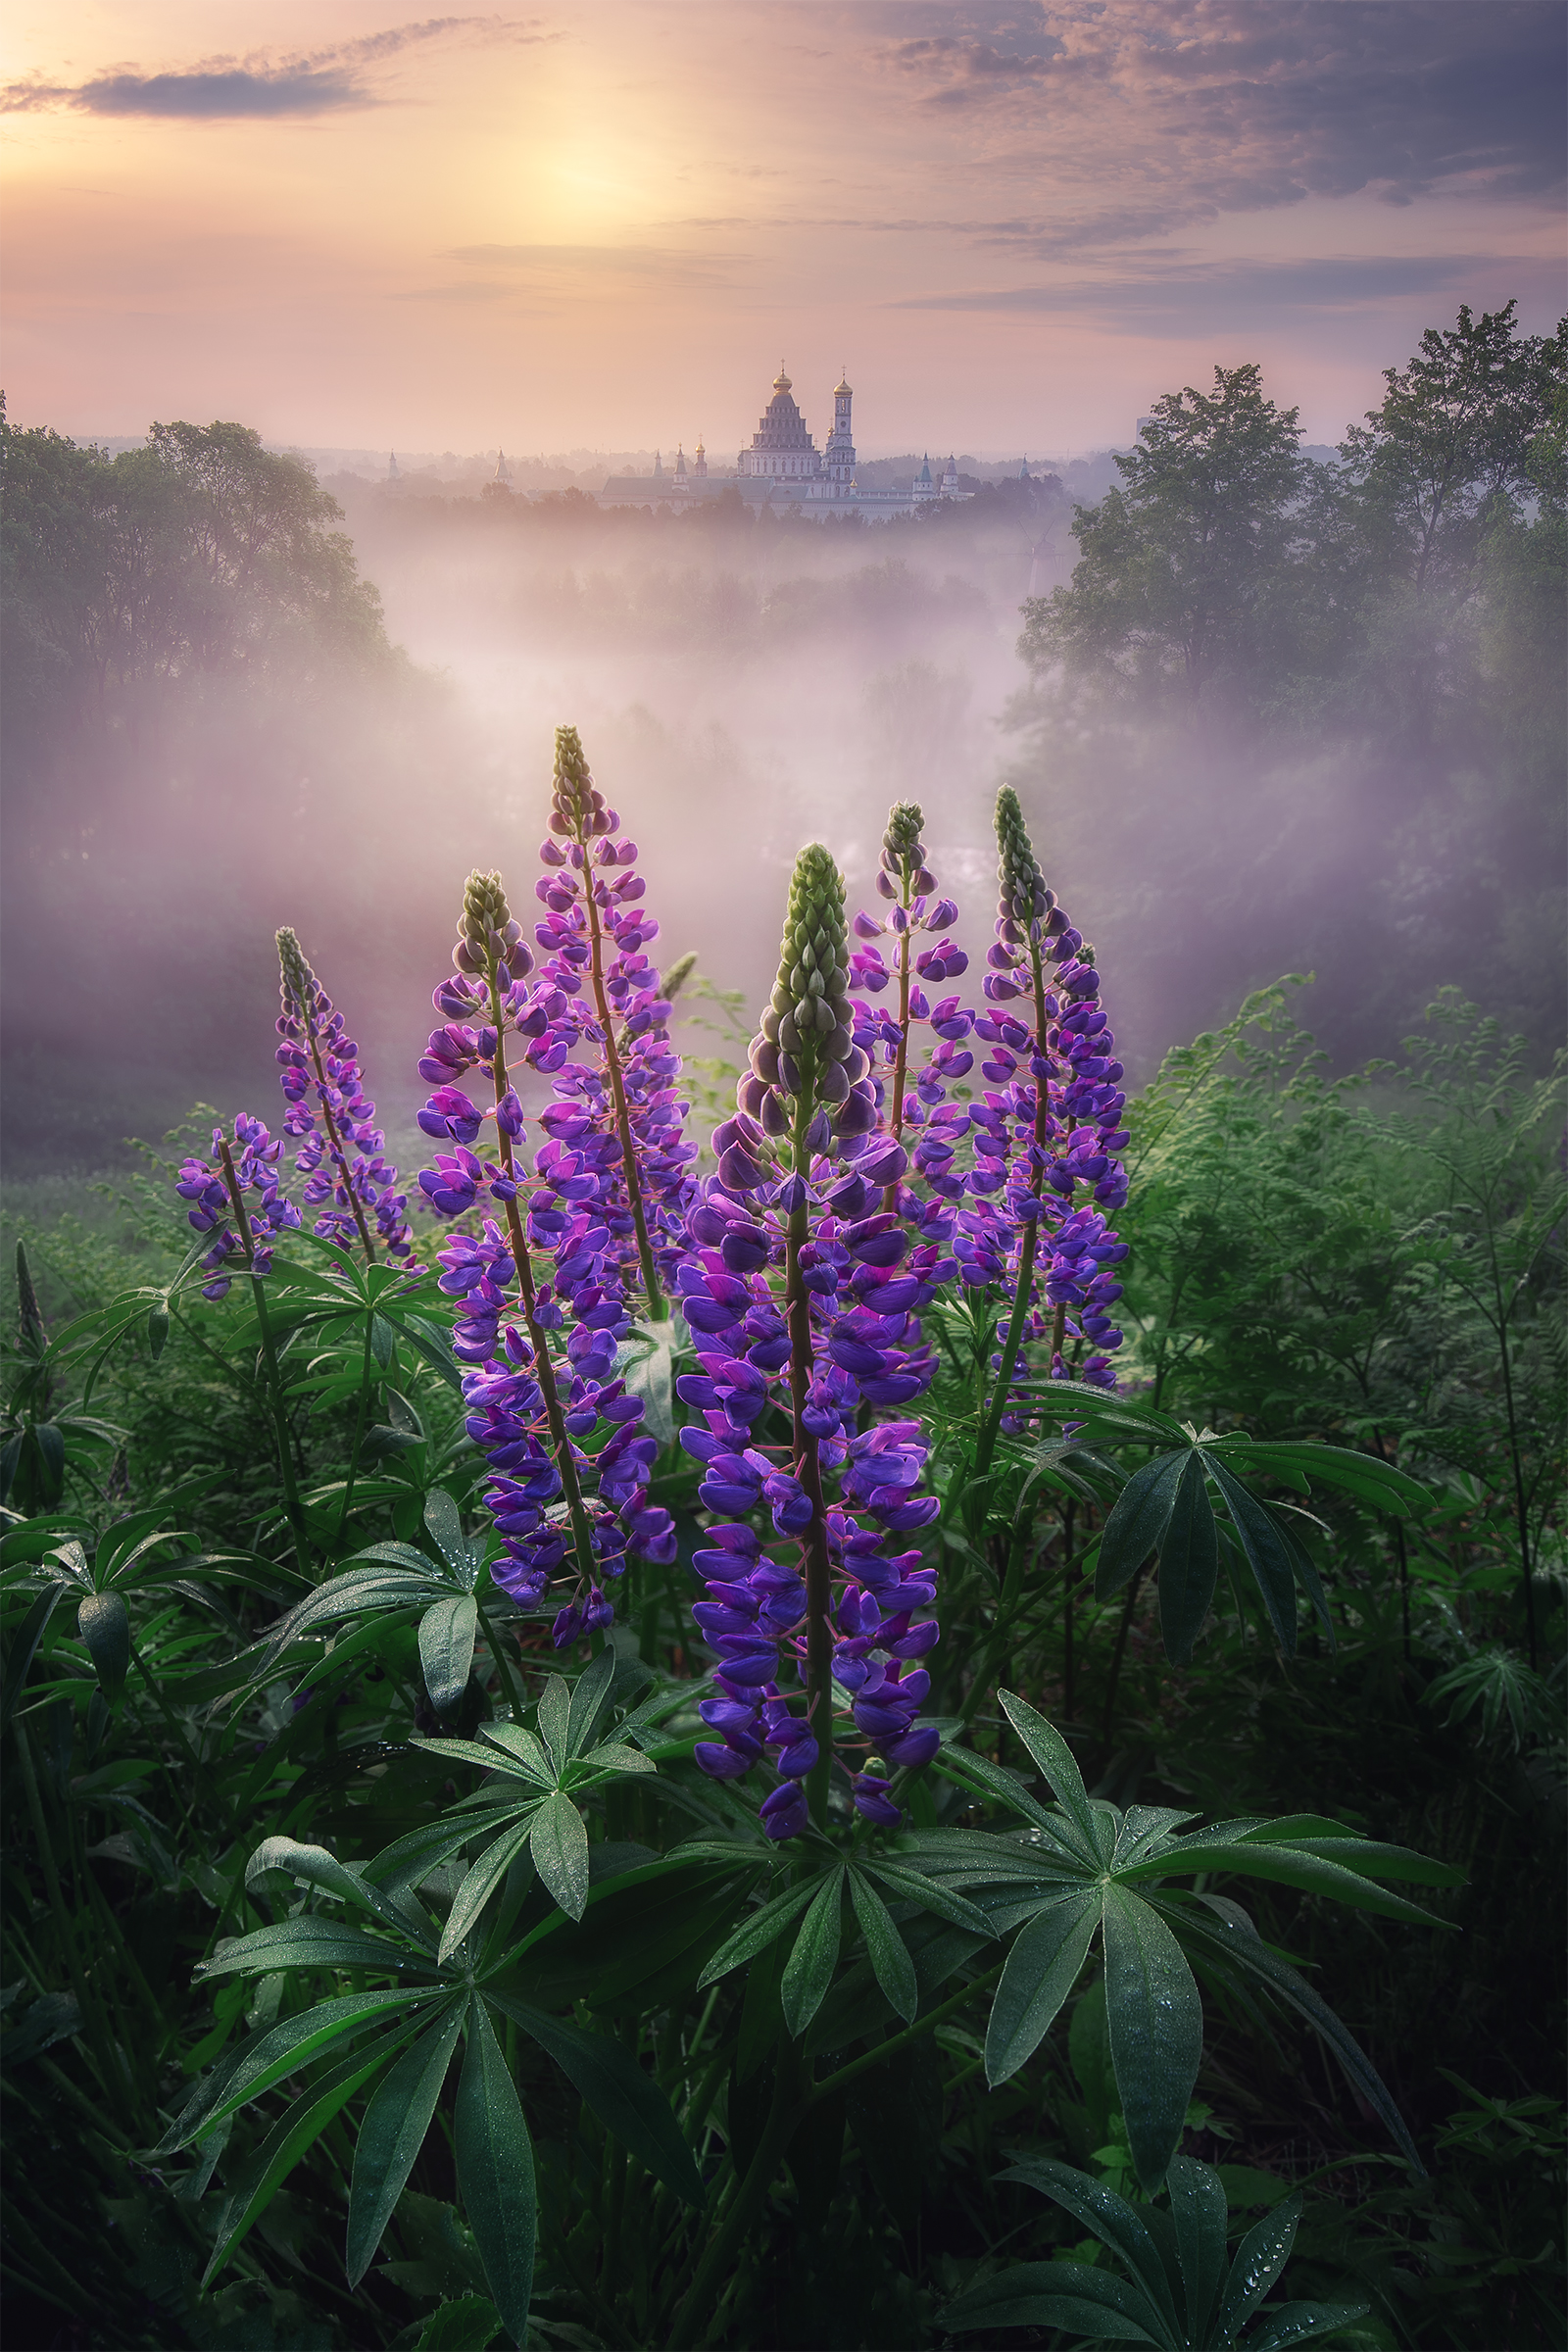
x,y
578,812
342,1155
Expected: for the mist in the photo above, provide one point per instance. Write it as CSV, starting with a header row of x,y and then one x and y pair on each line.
x,y
742,685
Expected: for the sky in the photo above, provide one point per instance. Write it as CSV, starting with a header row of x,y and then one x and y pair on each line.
x,y
605,224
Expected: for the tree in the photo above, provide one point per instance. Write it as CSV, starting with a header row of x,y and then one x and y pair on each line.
x,y
1185,570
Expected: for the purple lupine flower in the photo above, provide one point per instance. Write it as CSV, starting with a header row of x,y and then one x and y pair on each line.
x,y
598,1026
1047,1132
886,1034
213,1191
801,1288
559,1506
343,1154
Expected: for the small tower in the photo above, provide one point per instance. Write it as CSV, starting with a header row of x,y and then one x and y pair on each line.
x,y
700,463
839,455
502,471
680,466
949,479
925,486
658,465
1023,471
392,475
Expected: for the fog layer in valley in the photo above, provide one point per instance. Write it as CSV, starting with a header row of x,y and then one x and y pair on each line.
x,y
208,736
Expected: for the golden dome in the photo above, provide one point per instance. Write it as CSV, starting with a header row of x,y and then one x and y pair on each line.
x,y
842,387
781,382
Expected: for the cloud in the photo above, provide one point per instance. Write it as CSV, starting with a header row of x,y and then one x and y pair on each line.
x,y
225,89
1243,104
1167,296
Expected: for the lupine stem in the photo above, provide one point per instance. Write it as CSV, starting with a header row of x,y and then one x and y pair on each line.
x,y
285,1459
333,1141
657,1303
809,1470
901,1063
359,1434
516,1694
1013,1338
572,1486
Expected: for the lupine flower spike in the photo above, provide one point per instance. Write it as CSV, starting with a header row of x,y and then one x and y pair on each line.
x,y
343,1156
215,1190
885,1034
526,1409
1052,1126
797,1176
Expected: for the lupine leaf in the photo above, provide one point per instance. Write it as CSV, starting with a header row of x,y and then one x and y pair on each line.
x,y
1075,2296
446,1649
917,1887
1291,1867
1114,2221
1056,1762
344,1595
445,1522
889,1954
1189,1562
392,2134
757,1934
1135,1525
588,1694
1041,1969
104,1624
1287,2323
626,2102
296,2131
560,1846
524,1749
1259,2259
1233,1945
614,1757
306,1942
24,1647
1198,2212
555,1721
266,2058
1267,1554
481,1883
495,2173
1361,1473
1156,2018
314,1866
963,1765
809,1970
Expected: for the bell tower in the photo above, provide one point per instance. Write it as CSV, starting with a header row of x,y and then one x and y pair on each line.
x,y
839,455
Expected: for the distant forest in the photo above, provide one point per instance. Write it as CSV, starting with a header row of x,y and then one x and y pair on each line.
x,y
1280,711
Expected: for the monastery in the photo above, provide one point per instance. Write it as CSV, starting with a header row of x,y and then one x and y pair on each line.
x,y
783,468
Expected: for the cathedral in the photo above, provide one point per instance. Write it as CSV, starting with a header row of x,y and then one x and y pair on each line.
x,y
784,469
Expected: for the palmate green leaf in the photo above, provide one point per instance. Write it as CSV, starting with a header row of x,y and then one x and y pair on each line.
x,y
495,2173
392,2134
1198,2215
1363,1475
757,1933
560,1846
266,2058
1074,2296
1103,1416
481,1883
889,1953
524,1749
1135,1525
609,1759
1058,1763
915,1887
1288,2324
104,1625
345,1596
1116,2223
296,2132
553,1718
1267,1555
809,1970
589,1694
471,2322
1041,1969
1259,2259
971,1771
306,1942
1189,1562
314,1866
1156,2018
1289,1866
1234,1944
491,1758
446,1649
627,2102
445,1523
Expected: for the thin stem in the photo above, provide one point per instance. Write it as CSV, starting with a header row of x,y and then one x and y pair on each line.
x,y
334,1143
783,2116
1120,1647
359,1433
890,1192
1067,1662
544,1370
274,1386
809,1470
900,2041
657,1303
516,1696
